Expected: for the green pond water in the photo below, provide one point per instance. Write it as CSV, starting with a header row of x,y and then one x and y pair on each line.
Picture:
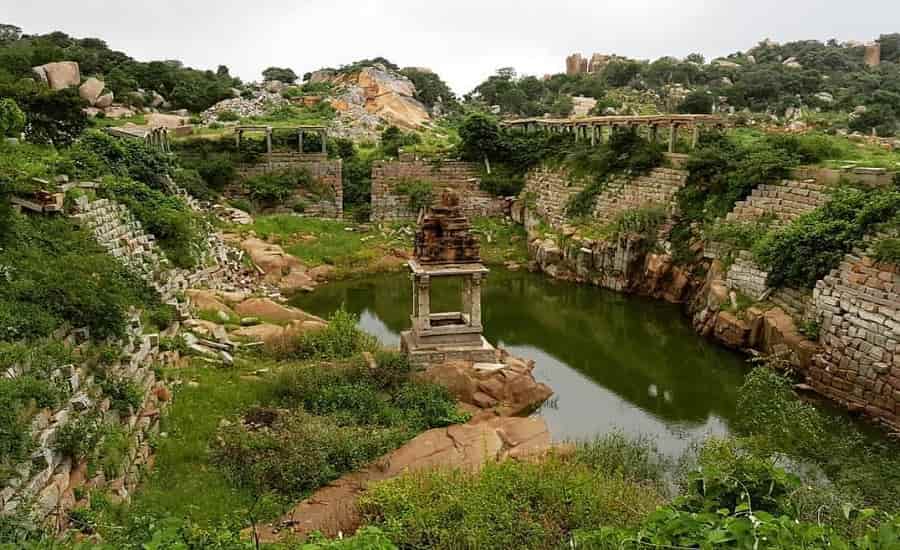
x,y
615,362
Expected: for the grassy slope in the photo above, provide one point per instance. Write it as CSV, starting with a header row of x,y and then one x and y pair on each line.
x,y
184,483
355,252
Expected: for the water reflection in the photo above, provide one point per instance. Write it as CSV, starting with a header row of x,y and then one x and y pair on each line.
x,y
615,362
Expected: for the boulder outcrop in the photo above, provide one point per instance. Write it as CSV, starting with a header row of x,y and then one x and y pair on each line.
x,y
332,509
59,75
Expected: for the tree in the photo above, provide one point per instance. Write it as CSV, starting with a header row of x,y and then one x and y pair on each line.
x,y
12,119
430,89
285,75
9,33
697,102
51,117
480,138
620,72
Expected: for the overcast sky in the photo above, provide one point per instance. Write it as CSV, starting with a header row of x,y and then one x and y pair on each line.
x,y
463,40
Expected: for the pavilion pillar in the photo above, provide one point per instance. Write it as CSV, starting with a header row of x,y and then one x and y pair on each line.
x,y
695,136
654,133
237,139
324,137
673,136
422,291
300,141
593,136
475,300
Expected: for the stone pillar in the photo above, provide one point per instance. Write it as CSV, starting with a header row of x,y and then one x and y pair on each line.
x,y
673,136
593,136
695,136
476,300
654,134
269,141
300,141
423,289
467,297
324,137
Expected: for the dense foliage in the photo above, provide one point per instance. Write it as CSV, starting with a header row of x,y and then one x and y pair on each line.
x,y
767,78
183,87
625,154
431,89
814,244
12,119
50,117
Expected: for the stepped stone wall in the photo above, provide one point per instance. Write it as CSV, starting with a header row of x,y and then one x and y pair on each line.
x,y
859,366
551,189
461,177
328,172
44,488
124,238
784,201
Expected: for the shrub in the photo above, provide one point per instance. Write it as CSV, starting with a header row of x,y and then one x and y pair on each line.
x,y
506,505
161,316
299,452
276,187
178,231
887,250
217,172
393,139
616,454
78,437
125,396
12,119
644,222
625,154
419,193
193,183
342,338
815,243
97,154
52,117
62,275
228,116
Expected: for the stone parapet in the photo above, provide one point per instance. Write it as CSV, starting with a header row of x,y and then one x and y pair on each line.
x,y
783,202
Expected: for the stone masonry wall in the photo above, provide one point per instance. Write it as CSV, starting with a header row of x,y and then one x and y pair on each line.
x,y
461,177
551,190
859,366
326,171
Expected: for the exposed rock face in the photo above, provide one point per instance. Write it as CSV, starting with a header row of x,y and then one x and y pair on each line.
x,y
470,446
105,101
583,106
266,309
91,89
384,96
59,75
279,267
510,391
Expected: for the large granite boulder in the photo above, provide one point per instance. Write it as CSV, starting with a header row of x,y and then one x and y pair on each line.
x,y
59,75
507,389
105,101
91,90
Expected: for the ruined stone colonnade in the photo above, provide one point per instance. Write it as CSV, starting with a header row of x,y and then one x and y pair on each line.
x,y
597,129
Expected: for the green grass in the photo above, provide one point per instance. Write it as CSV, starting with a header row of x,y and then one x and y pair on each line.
x,y
184,482
844,151
347,251
501,240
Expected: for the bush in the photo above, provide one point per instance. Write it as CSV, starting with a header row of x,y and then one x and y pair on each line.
x,y
276,187
52,117
98,154
62,276
12,119
125,396
342,338
393,139
228,116
887,250
300,452
626,154
815,243
217,172
178,230
507,505
644,222
193,183
419,193
79,437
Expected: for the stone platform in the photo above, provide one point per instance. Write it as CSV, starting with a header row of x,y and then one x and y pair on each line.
x,y
424,355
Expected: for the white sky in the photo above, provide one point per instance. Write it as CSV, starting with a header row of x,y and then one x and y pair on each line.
x,y
463,40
